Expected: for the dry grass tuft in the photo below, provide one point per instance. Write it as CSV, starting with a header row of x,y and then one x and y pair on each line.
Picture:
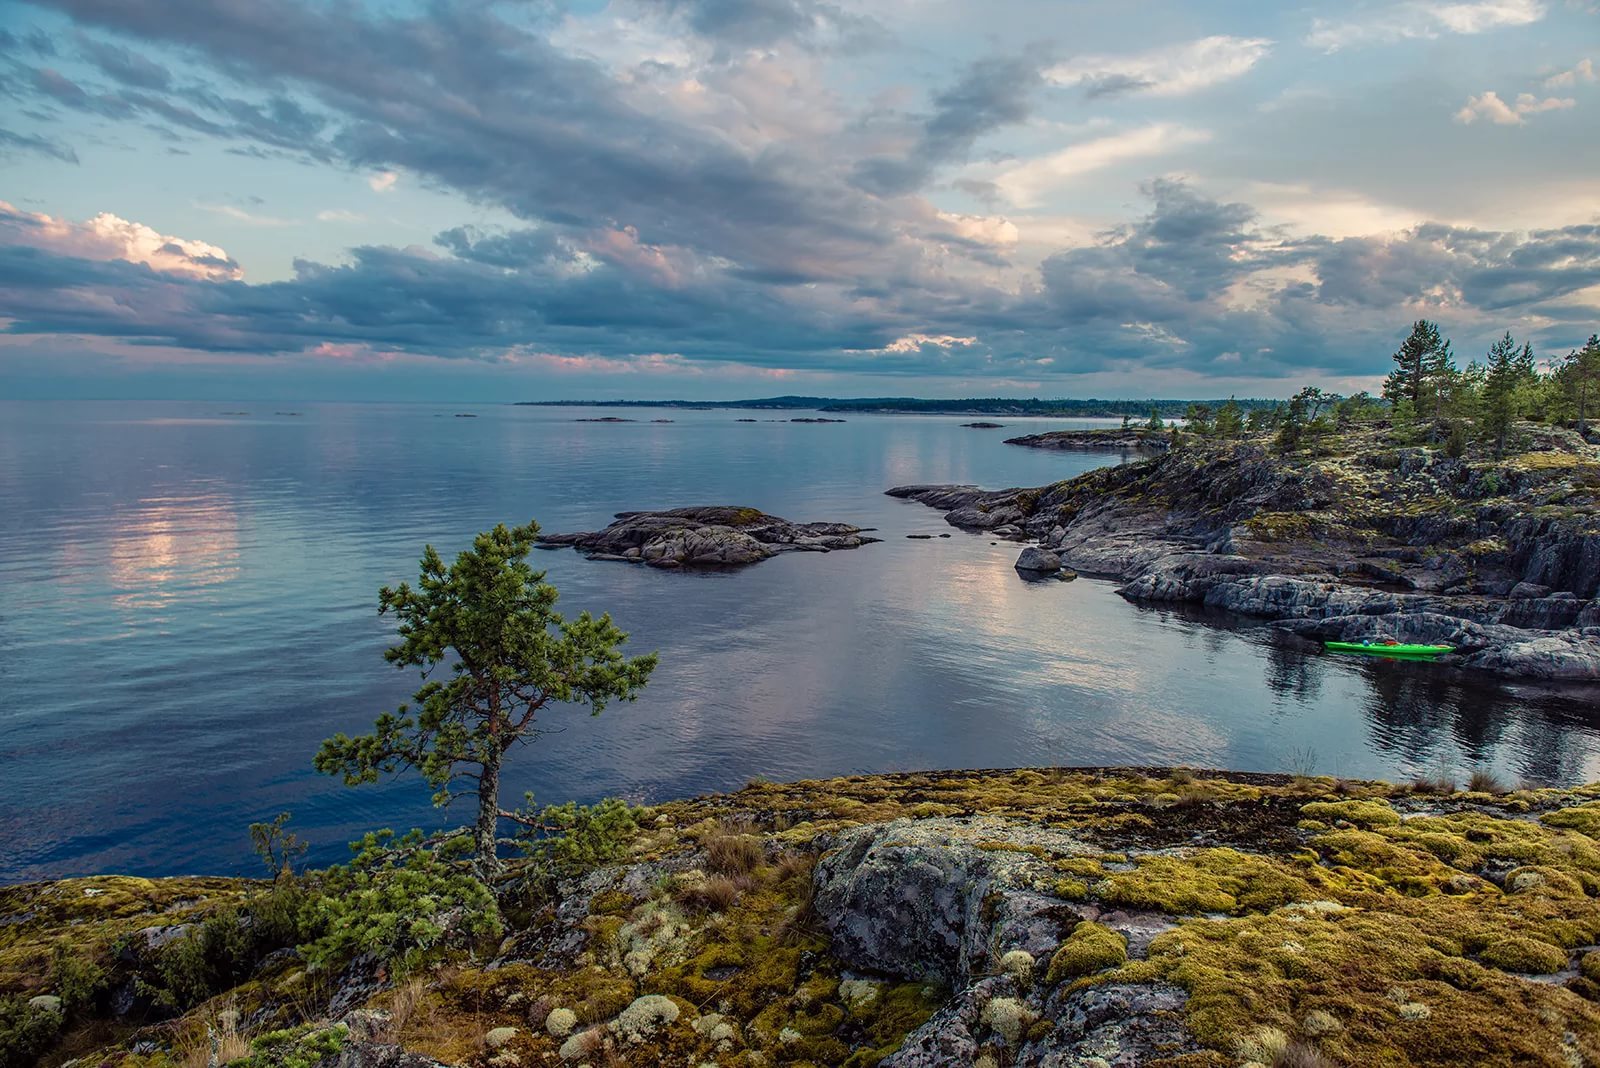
x,y
1484,781
716,894
1299,1055
1433,784
220,1041
408,1007
733,853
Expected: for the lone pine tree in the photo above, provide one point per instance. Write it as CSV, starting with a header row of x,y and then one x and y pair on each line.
x,y
491,618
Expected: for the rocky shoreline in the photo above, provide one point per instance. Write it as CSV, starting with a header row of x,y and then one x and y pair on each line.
x,y
1049,917
1497,558
706,536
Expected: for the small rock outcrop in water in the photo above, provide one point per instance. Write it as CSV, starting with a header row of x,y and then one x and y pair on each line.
x,y
1033,918
712,536
1106,440
1499,559
981,425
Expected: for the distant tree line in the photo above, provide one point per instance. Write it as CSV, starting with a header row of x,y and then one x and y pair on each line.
x,y
1428,396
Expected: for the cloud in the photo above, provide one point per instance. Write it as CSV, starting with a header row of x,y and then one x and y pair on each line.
x,y
126,66
1489,106
108,237
749,199
1193,283
990,94
1581,74
383,181
239,215
339,215
916,342
1423,19
1028,183
12,143
1175,70
765,23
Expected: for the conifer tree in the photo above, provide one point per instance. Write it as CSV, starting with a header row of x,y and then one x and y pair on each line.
x,y
491,619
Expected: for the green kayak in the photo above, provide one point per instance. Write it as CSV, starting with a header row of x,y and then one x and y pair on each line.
x,y
1380,649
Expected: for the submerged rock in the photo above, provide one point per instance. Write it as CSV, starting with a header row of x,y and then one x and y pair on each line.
x,y
717,536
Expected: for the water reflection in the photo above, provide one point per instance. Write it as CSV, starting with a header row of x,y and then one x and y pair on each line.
x,y
170,546
196,594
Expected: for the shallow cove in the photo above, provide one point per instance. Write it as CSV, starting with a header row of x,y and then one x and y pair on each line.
x,y
188,605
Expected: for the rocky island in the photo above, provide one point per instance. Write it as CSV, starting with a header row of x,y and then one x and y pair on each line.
x,y
1096,440
1050,917
1366,536
708,536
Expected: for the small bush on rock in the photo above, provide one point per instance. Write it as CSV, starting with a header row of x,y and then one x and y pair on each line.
x,y
402,902
25,1033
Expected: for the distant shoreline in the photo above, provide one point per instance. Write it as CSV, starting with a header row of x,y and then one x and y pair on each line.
x,y
1089,408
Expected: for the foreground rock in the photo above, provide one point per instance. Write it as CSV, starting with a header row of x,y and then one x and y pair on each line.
x,y
1499,559
1045,918
707,537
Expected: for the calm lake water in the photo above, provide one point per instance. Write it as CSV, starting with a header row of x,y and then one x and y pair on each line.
x,y
188,604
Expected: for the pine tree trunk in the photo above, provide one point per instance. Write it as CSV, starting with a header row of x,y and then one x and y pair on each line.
x,y
487,829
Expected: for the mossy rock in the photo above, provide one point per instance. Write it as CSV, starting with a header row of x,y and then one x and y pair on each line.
x,y
1090,948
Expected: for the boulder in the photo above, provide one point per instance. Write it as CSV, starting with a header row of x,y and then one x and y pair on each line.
x,y
1041,561
923,900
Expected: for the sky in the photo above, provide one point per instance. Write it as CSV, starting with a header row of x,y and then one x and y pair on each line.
x,y
716,199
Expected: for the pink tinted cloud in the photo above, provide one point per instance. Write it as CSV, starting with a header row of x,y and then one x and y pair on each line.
x,y
111,237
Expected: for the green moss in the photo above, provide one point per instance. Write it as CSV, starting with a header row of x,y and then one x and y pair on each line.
x,y
1360,813
1090,948
610,903
301,1047
1527,955
1206,880
1583,818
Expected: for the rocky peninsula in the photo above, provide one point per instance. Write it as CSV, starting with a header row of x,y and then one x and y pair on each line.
x,y
1367,536
706,536
1049,917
